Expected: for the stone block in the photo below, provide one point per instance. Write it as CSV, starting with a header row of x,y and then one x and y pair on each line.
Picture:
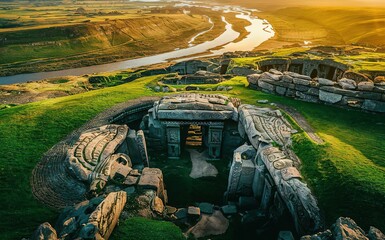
x,y
325,82
347,84
375,106
181,213
229,209
302,88
297,75
267,75
306,97
350,93
301,81
287,79
206,207
313,91
193,211
365,86
253,78
329,97
152,178
346,228
280,90
266,86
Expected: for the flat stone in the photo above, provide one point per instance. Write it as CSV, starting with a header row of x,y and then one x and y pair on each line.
x,y
313,91
348,84
287,79
253,78
264,85
297,75
365,86
263,101
267,75
193,211
181,213
206,207
302,88
350,93
301,81
151,179
325,82
306,97
375,106
329,97
229,209
274,71
280,90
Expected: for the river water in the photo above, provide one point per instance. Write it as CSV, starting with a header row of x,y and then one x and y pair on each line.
x,y
259,31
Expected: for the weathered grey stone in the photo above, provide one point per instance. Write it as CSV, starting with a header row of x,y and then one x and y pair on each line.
x,y
349,93
229,209
346,228
290,92
379,89
365,86
347,84
301,81
375,106
253,78
280,83
276,72
44,232
375,234
157,89
287,79
329,97
285,235
313,91
271,76
206,208
325,82
296,75
280,90
302,88
263,101
306,97
264,85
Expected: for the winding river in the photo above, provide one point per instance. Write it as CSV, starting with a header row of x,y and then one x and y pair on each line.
x,y
259,31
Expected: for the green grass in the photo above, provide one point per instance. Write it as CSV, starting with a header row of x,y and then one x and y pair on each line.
x,y
147,229
346,174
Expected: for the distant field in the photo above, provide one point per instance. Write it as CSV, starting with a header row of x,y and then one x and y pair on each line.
x,y
35,37
326,26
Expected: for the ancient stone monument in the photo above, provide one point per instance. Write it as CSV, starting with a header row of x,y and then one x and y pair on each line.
x,y
102,173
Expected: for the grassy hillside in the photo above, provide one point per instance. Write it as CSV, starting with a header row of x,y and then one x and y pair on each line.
x,y
92,43
346,173
326,26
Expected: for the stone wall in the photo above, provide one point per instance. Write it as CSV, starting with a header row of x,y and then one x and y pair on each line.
x,y
353,90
